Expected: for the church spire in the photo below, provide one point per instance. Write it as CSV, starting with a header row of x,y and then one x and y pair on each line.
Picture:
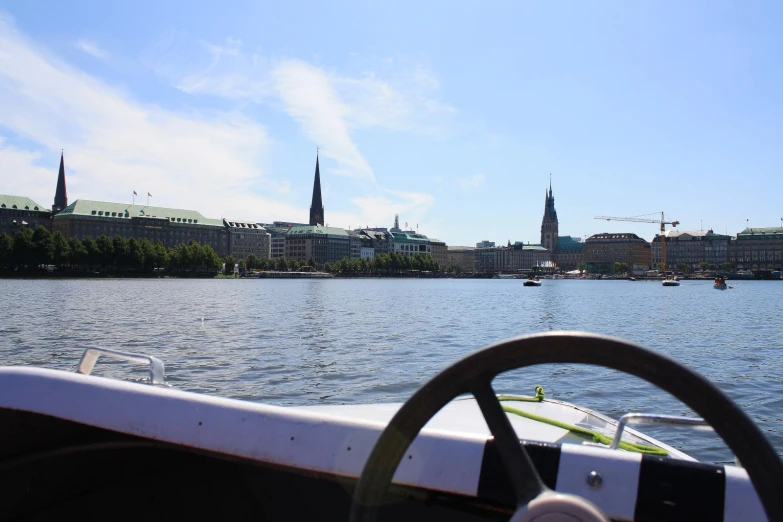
x,y
317,205
60,195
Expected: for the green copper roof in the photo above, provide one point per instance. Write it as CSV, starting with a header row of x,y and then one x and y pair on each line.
x,y
755,232
20,203
317,229
85,207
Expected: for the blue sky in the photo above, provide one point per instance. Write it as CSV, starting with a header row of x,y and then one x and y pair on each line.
x,y
450,114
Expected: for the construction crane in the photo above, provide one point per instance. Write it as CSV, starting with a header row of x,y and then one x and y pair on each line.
x,y
662,222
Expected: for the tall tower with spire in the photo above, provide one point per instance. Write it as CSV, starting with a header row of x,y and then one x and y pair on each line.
x,y
549,224
317,205
60,195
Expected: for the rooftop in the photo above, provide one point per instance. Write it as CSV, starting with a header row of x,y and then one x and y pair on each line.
x,y
21,203
85,207
318,229
242,224
755,232
604,236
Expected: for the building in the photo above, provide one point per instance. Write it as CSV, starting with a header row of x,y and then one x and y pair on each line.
x,y
19,211
602,251
691,247
248,239
355,245
756,248
278,230
485,244
317,205
84,218
379,239
439,252
461,258
60,194
323,244
519,257
410,244
569,252
549,223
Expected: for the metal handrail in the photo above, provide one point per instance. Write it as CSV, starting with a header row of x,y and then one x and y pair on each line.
x,y
90,357
651,418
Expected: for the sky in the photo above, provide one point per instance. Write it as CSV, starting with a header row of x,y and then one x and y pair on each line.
x,y
451,114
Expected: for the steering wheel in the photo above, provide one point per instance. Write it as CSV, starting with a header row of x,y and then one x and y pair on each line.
x,y
474,375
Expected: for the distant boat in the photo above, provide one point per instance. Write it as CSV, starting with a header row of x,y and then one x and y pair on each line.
x,y
533,281
671,281
720,283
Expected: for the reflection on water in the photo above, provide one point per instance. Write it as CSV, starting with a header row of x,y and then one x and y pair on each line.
x,y
341,341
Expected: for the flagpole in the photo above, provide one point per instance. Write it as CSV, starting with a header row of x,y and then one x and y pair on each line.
x,y
134,198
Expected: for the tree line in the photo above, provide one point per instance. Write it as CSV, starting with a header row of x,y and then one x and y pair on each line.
x,y
35,249
383,264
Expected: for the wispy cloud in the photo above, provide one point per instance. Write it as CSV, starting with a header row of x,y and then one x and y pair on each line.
x,y
329,107
310,99
114,144
91,48
471,182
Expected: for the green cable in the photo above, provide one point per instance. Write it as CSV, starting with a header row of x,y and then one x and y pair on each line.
x,y
594,435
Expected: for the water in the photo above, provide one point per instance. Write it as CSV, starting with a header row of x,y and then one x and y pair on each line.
x,y
303,342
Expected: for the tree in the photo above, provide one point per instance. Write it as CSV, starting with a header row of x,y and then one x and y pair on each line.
x,y
24,248
120,251
311,262
726,266
704,266
135,258
6,250
580,267
620,267
79,254
682,267
93,251
62,249
252,262
43,246
106,251
229,262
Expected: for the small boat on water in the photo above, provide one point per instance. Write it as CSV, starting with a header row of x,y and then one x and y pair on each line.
x,y
80,446
720,283
671,281
532,281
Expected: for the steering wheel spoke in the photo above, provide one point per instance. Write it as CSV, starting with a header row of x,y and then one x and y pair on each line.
x,y
526,482
474,374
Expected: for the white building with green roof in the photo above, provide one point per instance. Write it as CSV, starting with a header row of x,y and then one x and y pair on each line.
x,y
85,218
20,211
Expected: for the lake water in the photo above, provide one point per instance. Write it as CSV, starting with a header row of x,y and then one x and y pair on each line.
x,y
297,342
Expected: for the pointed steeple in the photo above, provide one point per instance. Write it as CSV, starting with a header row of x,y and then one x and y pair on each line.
x,y
60,195
317,205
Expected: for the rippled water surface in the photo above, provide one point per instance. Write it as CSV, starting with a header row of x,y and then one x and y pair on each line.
x,y
342,341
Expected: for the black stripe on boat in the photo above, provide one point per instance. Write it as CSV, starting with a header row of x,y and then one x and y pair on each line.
x,y
679,490
494,483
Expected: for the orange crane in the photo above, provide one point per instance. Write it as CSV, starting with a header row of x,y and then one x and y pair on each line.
x,y
662,222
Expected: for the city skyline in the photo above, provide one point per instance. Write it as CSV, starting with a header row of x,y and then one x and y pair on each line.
x,y
222,110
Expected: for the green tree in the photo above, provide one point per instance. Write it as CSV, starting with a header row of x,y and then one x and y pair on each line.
x,y
281,264
682,267
161,254
704,266
6,250
24,248
62,249
252,262
726,266
295,265
106,251
79,254
620,267
136,258
147,250
43,246
311,262
120,252
229,262
93,252
580,266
